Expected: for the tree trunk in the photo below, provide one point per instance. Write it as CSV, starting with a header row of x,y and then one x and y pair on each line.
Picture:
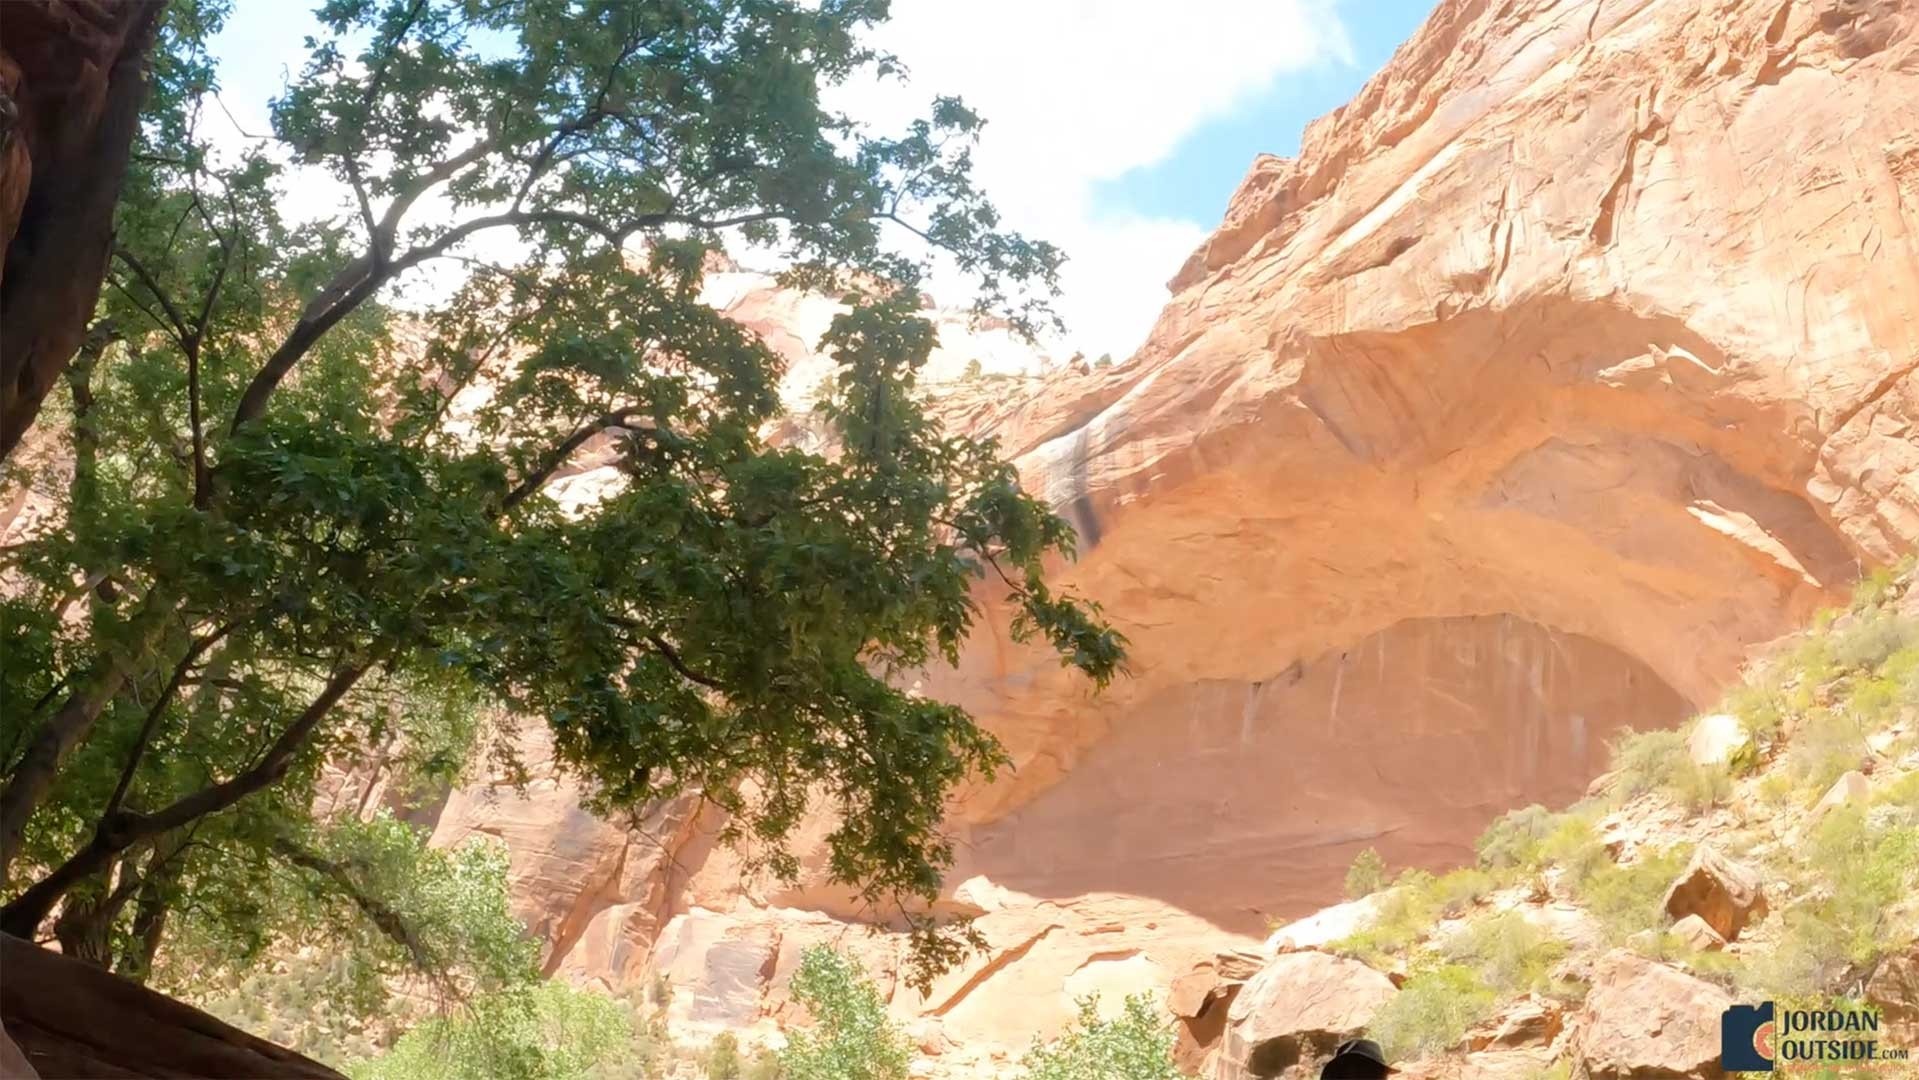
x,y
31,780
121,830
150,910
73,75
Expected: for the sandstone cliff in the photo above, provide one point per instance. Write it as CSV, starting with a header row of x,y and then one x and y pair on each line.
x,y
1571,360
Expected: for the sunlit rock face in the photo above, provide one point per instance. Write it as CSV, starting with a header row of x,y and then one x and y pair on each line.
x,y
1570,361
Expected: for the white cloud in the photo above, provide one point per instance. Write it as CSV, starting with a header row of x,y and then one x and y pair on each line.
x,y
1079,91
1074,92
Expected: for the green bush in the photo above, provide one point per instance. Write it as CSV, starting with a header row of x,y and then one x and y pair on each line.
x,y
1366,875
1513,840
1761,707
547,1032
1870,638
1701,787
1828,744
1626,899
1856,869
1574,846
1458,890
1408,911
1135,1045
851,1037
1510,954
723,1057
1644,761
1432,1012
1875,589
1648,761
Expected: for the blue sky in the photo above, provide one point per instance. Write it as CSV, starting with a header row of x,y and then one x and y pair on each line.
x,y
1195,180
1116,128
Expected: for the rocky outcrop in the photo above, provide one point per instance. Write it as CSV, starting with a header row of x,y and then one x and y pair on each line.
x,y
1719,892
73,1019
72,80
1645,1020
1714,737
1893,989
1296,1011
1697,934
1571,361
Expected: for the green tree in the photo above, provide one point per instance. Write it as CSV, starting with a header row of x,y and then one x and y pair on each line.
x,y
1366,875
286,540
851,1037
723,1057
547,1032
1135,1045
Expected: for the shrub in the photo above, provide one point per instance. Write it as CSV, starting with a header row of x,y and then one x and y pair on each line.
x,y
1626,899
1574,847
1761,707
1701,787
1366,875
1458,890
1513,840
1409,909
723,1057
1902,793
1875,588
1644,761
1135,1045
1406,913
851,1038
1432,1012
1828,744
1870,638
1510,954
548,1032
973,370
1857,869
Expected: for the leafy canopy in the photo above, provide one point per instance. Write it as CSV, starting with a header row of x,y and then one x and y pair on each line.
x,y
851,1038
1135,1045
305,525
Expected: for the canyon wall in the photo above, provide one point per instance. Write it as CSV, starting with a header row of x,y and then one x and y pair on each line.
x,y
1571,361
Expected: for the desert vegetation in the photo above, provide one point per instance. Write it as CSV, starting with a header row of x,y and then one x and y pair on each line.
x,y
1841,698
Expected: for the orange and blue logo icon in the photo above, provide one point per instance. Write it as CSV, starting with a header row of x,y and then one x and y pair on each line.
x,y
1748,1038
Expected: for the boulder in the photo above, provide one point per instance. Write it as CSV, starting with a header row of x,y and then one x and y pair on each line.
x,y
1852,789
1697,934
1723,893
1327,925
1894,991
1191,992
1297,1009
1238,965
1644,1020
1714,737
1530,1021
1198,1036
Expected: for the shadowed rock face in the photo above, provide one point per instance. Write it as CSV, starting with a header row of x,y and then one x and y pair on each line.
x,y
1572,359
1241,800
